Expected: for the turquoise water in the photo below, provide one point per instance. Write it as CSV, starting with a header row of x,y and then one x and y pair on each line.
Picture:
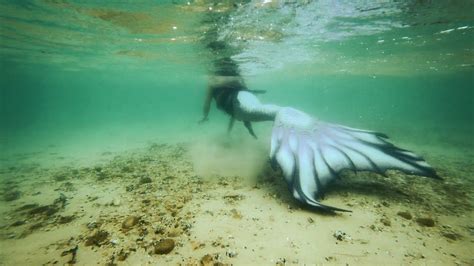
x,y
123,74
85,84
81,79
93,76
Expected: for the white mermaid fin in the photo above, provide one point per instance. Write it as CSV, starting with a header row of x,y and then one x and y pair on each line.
x,y
312,153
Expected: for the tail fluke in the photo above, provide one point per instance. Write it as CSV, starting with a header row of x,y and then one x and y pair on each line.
x,y
312,153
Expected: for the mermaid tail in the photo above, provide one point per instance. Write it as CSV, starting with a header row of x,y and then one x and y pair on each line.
x,y
312,153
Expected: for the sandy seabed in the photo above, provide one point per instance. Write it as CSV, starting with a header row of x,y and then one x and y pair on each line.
x,y
152,206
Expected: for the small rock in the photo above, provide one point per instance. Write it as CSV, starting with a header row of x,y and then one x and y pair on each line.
x,y
405,215
207,260
330,258
310,220
98,238
145,180
164,246
340,235
236,214
231,253
385,222
66,219
451,235
130,221
425,221
280,262
122,255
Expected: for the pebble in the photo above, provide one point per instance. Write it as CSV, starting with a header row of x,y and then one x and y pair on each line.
x,y
207,260
385,222
425,221
451,235
340,235
145,180
231,253
405,215
66,219
98,238
164,246
129,222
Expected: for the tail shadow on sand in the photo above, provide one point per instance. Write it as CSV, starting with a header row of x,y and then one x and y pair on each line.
x,y
357,189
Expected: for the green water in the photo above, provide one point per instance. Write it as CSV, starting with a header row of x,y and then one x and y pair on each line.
x,y
80,79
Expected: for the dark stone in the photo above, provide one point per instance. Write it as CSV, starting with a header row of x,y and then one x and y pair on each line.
x,y
130,222
122,255
145,180
98,238
452,235
385,222
164,246
66,219
207,260
405,215
425,221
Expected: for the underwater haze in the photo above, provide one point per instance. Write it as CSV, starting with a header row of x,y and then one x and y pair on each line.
x,y
120,74
86,83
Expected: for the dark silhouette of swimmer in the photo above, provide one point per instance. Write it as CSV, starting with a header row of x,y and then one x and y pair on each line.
x,y
224,90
